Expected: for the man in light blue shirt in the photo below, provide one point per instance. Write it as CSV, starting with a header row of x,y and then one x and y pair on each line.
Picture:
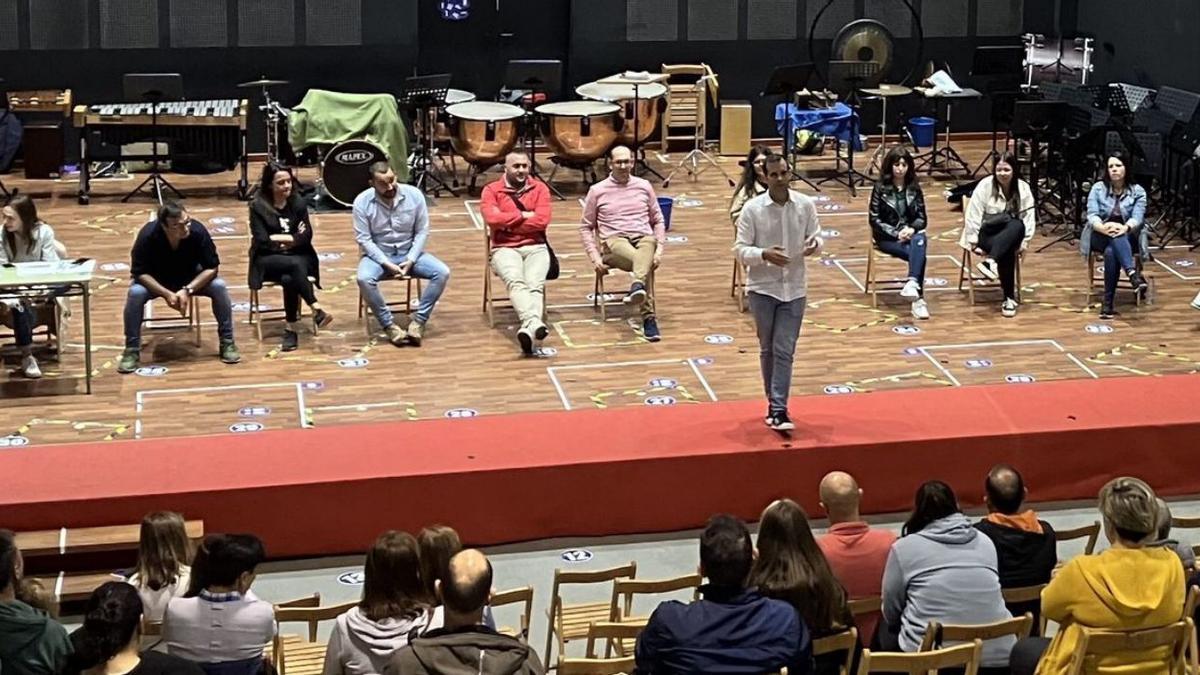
x,y
391,225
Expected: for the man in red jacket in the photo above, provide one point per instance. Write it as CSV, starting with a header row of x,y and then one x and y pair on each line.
x,y
516,209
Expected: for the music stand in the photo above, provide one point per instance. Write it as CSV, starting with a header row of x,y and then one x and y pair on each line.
x,y
786,82
849,77
538,76
999,66
423,93
153,88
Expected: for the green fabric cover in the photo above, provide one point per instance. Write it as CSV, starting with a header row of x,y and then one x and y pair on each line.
x,y
329,117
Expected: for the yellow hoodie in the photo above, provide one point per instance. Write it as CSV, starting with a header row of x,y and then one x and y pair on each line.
x,y
1119,589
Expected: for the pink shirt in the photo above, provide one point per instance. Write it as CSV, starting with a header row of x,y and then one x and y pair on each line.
x,y
857,555
614,209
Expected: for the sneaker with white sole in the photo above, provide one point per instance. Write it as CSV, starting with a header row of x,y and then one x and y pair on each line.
x,y
1009,309
987,267
29,367
911,290
920,310
780,421
1196,301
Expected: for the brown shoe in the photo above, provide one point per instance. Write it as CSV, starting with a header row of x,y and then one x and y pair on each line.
x,y
416,331
395,335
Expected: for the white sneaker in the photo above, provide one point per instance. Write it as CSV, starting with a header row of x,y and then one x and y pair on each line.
x,y
920,310
911,290
29,367
1196,301
1009,309
987,267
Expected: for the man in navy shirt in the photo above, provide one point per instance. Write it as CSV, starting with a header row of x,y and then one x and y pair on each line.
x,y
733,629
174,258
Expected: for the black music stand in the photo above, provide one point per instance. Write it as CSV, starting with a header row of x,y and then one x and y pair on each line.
x,y
153,88
423,93
1039,121
999,66
786,82
847,77
537,76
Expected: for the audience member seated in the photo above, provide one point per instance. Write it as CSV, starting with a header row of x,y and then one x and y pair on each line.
x,y
393,606
752,183
998,225
941,569
465,645
440,543
897,218
162,572
856,552
790,567
31,643
281,249
25,239
1116,208
391,226
1163,539
174,258
733,629
108,642
220,624
516,209
622,211
1130,586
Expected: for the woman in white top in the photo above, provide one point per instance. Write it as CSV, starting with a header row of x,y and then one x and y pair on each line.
x,y
25,238
162,571
998,224
753,182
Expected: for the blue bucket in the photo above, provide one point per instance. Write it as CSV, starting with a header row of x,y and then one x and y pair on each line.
x,y
922,129
666,204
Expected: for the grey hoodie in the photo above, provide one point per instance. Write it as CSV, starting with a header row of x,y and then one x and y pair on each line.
x,y
946,572
31,643
360,646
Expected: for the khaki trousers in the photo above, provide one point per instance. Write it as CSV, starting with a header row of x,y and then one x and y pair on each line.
x,y
523,270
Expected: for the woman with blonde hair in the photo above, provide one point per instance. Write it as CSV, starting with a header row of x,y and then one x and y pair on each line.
x,y
163,568
1130,586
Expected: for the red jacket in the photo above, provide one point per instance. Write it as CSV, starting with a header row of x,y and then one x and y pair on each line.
x,y
503,216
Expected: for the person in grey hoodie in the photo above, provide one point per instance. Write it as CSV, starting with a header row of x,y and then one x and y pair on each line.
x,y
31,643
942,569
394,605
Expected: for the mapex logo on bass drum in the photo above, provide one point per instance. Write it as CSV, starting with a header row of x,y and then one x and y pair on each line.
x,y
354,157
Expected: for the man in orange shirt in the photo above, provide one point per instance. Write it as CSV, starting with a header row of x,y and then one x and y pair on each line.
x,y
516,209
856,553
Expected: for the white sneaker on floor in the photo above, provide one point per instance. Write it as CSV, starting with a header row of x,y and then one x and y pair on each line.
x,y
920,310
987,267
29,367
1196,301
911,290
1009,309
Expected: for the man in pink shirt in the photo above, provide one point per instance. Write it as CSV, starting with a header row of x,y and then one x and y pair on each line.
x,y
623,210
856,552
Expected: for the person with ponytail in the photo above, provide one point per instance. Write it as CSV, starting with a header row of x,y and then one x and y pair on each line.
x,y
31,643
107,643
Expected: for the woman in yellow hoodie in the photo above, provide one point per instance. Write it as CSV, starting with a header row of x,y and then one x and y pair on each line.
x,y
1128,587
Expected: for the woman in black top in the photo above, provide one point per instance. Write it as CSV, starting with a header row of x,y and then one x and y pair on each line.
x,y
282,250
109,638
897,216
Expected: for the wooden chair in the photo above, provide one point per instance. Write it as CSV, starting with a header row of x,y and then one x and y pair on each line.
x,y
620,666
47,321
1091,532
965,656
1185,523
972,279
292,654
937,633
737,283
598,294
365,310
1189,613
624,591
846,641
686,107
621,634
1095,283
1172,641
513,596
570,621
1024,596
871,284
189,321
865,605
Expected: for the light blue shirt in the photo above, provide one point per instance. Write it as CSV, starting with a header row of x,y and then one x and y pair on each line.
x,y
386,231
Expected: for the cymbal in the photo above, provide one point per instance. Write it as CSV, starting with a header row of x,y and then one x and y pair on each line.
x,y
261,83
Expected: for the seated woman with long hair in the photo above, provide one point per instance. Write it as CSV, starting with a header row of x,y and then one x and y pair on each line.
x,y
163,571
897,217
1115,211
791,567
440,543
998,224
25,238
108,642
752,183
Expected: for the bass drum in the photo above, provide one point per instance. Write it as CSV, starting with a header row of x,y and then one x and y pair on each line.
x,y
346,170
580,131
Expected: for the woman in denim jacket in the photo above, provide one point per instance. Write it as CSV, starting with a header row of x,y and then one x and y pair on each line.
x,y
1116,209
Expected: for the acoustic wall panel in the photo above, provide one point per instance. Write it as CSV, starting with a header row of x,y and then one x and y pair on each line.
x,y
58,24
128,24
9,38
838,14
652,20
333,23
712,20
199,23
999,17
944,18
266,23
892,13
771,20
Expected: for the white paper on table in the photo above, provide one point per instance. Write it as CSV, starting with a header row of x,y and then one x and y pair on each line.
x,y
37,269
943,84
641,75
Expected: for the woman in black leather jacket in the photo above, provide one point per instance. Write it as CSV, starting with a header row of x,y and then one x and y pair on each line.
x,y
897,216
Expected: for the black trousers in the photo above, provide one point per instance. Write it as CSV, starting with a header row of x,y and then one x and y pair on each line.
x,y
291,272
1003,243
1026,654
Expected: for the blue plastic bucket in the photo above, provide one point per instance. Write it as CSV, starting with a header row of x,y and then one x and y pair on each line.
x,y
922,129
666,204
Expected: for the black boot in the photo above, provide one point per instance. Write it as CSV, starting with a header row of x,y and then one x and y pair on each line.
x,y
1106,310
1138,282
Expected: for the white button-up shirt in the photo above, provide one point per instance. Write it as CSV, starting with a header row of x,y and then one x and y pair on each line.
x,y
763,224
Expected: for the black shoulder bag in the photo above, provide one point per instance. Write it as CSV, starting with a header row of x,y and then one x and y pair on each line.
x,y
553,271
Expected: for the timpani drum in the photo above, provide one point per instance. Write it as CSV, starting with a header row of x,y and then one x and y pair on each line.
x,y
580,131
650,102
483,132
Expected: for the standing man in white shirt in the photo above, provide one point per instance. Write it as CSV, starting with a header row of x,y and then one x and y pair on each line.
x,y
776,231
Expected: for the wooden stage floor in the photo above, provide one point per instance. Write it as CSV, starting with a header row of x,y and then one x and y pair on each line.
x,y
465,368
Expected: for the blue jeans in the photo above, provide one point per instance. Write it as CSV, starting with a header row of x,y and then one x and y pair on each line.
x,y
22,323
1118,257
139,295
426,267
912,250
778,325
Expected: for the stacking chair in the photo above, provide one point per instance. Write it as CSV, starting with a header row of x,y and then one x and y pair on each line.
x,y
965,656
524,596
1095,282
620,666
1027,597
598,296
1090,532
292,654
258,314
846,641
974,280
621,634
570,621
624,590
189,321
872,285
937,633
406,308
1170,641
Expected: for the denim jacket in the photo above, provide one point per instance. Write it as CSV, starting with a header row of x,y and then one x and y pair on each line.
x,y
1133,209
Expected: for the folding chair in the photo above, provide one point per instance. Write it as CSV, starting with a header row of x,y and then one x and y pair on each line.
x,y
570,621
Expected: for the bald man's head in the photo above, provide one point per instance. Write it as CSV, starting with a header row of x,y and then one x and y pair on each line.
x,y
1005,489
840,495
468,582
